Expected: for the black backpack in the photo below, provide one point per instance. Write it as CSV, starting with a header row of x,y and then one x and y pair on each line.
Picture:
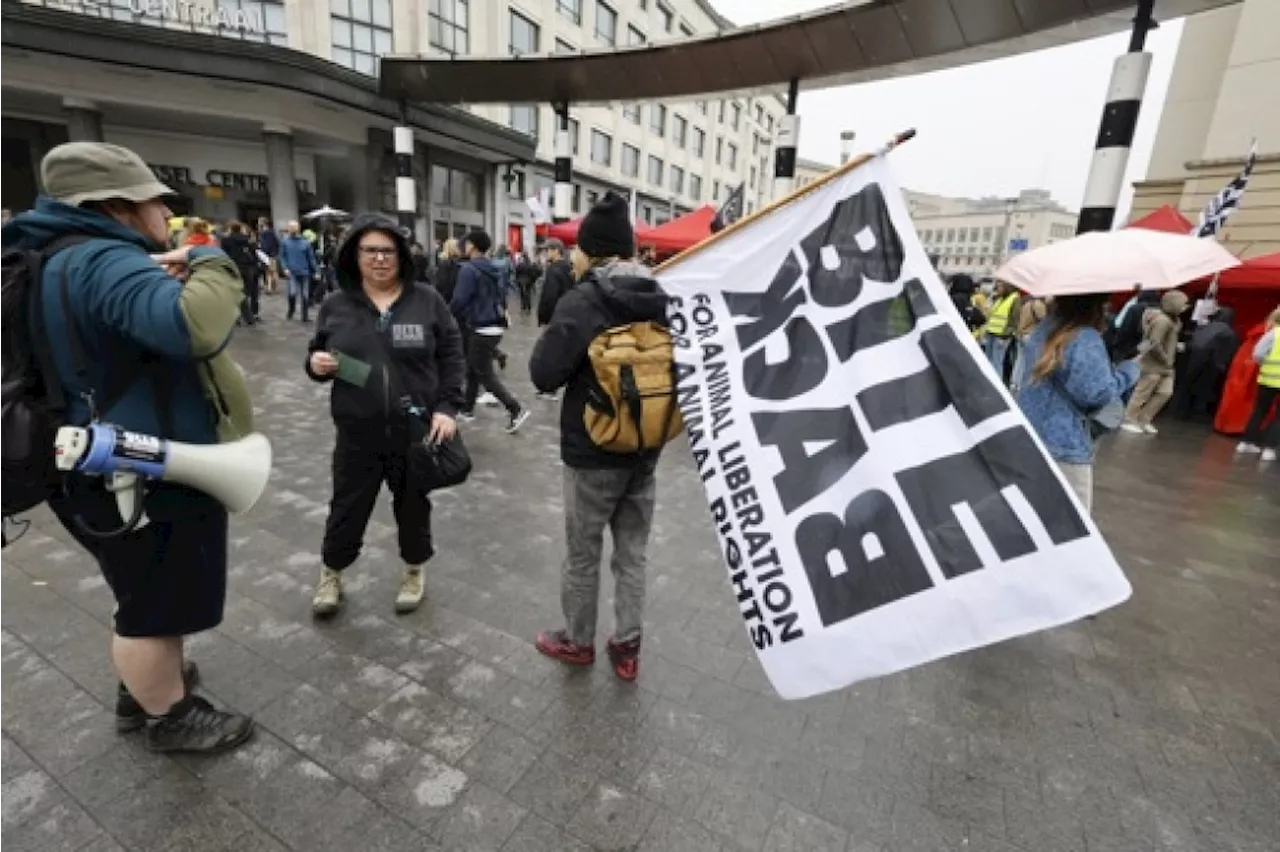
x,y
33,404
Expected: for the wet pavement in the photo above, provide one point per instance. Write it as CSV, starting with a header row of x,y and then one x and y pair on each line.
x,y
1154,726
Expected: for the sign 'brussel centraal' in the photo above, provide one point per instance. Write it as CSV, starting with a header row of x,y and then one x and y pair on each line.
x,y
212,16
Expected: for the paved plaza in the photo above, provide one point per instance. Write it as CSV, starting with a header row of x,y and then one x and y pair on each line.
x,y
1153,727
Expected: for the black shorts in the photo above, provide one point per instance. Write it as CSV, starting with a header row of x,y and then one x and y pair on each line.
x,y
170,577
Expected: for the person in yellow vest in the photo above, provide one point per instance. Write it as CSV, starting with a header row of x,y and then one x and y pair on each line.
x,y
1267,353
1002,321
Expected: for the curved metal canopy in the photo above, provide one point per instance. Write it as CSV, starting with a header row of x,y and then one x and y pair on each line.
x,y
853,42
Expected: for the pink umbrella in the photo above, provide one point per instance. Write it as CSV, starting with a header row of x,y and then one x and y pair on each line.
x,y
1115,261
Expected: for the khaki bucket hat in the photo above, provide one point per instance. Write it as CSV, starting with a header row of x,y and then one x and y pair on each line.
x,y
96,171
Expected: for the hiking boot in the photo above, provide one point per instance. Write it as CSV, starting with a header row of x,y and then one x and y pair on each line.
x,y
130,716
517,420
328,597
412,591
625,657
194,725
557,645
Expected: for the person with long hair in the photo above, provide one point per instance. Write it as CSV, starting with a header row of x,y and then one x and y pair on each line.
x,y
1068,376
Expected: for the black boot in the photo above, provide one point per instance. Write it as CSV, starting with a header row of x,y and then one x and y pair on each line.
x,y
292,303
194,725
129,713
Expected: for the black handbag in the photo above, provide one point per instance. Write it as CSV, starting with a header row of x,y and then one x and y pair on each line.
x,y
441,465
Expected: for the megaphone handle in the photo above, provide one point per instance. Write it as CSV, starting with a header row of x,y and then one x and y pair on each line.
x,y
128,490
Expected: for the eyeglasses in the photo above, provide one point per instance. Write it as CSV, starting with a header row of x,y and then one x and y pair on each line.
x,y
378,252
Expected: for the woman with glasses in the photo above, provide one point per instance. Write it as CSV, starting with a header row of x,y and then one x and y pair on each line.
x,y
394,356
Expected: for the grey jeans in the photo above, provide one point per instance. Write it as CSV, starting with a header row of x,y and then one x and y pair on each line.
x,y
623,501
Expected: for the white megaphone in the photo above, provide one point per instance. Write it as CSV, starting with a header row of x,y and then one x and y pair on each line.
x,y
235,474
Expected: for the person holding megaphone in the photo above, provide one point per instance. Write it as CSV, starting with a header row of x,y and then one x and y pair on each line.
x,y
135,336
394,356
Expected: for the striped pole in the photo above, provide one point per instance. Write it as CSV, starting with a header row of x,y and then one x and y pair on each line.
x,y
784,168
406,193
564,166
1115,136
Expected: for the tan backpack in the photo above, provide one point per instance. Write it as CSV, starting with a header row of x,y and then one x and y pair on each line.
x,y
632,407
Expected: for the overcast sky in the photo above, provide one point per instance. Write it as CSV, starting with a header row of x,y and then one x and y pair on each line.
x,y
987,129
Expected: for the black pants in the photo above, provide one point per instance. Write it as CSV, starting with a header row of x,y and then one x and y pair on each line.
x,y
1254,433
481,351
360,466
526,296
249,305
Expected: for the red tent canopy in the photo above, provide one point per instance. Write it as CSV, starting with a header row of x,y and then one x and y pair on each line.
x,y
567,232
1166,219
1262,272
679,234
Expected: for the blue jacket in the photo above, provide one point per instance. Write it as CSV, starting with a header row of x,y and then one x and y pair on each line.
x,y
1085,381
481,293
298,256
127,309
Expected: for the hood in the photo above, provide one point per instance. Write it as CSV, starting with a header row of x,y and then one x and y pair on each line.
x,y
1173,303
631,286
495,269
1148,297
348,265
961,285
51,219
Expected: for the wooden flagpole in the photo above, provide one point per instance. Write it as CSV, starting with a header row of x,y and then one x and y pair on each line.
x,y
795,195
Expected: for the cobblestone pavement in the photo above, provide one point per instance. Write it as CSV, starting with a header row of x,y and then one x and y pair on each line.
x,y
1152,727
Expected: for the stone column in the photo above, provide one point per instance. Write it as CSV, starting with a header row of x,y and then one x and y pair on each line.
x,y
84,120
282,182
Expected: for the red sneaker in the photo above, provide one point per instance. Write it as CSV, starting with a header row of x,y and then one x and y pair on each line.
x,y
625,657
557,645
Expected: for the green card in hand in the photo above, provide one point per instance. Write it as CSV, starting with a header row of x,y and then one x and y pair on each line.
x,y
353,371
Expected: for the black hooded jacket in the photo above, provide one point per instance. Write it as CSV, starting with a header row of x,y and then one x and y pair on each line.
x,y
613,295
417,337
557,281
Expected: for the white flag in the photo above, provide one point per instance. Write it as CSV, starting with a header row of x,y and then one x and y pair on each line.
x,y
879,498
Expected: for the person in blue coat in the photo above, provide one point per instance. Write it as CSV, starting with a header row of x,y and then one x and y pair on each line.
x,y
1067,375
298,259
155,325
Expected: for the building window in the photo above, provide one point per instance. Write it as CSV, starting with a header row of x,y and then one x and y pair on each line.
x,y
634,36
751,182
686,30
759,113
736,122
699,141
695,187
679,130
524,117
951,235
606,24
986,235
631,112
677,179
655,171
733,155
573,135
630,160
658,119
577,198
646,213
715,190
719,149
563,46
668,17
963,234
702,107
361,33
516,185
455,188
924,236
973,235
601,148
524,35
447,25
721,119
755,144
768,123
571,9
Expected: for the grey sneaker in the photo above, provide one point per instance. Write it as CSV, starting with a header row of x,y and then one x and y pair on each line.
x,y
194,725
517,420
131,717
412,590
328,597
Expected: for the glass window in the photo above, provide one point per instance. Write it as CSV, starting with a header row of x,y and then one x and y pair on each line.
x,y
721,119
702,107
679,130
759,113
447,25
573,134
439,185
524,117
571,9
677,179
631,112
755,144
464,190
601,148
963,233
695,187
736,122
699,141
646,213
973,235
719,149
951,235
524,35
751,182
658,119
577,198
630,160
668,17
606,23
733,155
361,32
715,190
986,235
655,171
634,36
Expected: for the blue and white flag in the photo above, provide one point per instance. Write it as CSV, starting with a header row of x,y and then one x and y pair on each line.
x,y
1215,213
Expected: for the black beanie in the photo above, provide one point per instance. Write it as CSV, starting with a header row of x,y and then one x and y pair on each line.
x,y
606,229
